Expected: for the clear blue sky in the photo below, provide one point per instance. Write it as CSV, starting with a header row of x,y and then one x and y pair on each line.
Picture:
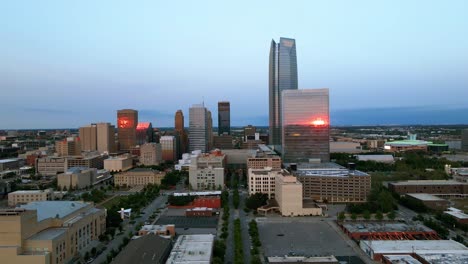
x,y
69,63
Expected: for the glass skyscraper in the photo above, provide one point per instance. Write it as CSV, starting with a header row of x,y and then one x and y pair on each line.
x,y
224,118
306,125
282,76
198,128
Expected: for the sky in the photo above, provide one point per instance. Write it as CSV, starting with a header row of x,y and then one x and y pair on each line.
x,y
64,64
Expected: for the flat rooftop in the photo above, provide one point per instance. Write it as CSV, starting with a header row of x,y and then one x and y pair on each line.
x,y
50,209
30,191
303,259
192,249
402,259
147,249
198,193
425,197
407,143
328,173
428,182
382,158
49,234
459,215
445,258
417,246
8,160
366,227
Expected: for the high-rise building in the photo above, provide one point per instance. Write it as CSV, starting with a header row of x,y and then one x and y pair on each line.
x,y
70,146
127,120
224,118
198,128
306,125
181,134
106,137
168,148
464,141
282,76
88,137
100,137
144,133
150,154
210,130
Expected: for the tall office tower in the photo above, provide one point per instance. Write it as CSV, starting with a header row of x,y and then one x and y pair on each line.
x,y
181,134
464,140
88,137
282,76
198,128
209,130
168,148
306,125
127,120
70,146
144,133
224,118
105,138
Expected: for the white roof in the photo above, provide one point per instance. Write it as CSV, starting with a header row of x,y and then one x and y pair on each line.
x,y
51,209
425,197
198,193
195,249
459,215
402,259
381,158
417,246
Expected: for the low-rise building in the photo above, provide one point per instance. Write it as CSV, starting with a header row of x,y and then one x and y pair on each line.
x,y
71,146
138,177
160,230
377,158
273,162
387,231
192,249
430,201
263,181
26,196
439,187
9,164
458,214
145,250
77,178
87,161
150,154
50,166
206,171
49,231
303,259
119,163
199,212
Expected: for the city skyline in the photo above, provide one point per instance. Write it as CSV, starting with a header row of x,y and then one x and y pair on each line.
x,y
405,63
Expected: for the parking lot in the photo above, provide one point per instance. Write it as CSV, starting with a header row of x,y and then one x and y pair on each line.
x,y
313,238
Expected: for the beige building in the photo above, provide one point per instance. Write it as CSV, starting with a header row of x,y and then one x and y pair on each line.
x,y
26,196
260,163
206,171
89,161
119,163
98,137
168,148
138,177
50,166
49,231
77,178
150,154
70,146
88,137
288,195
263,181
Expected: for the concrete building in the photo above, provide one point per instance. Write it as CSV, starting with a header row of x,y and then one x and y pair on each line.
x,y
365,230
106,138
77,178
406,145
375,144
439,187
458,214
168,148
71,146
199,212
224,118
377,158
260,163
144,133
88,137
222,141
9,164
150,154
250,132
333,183
305,125
145,250
198,128
303,259
49,231
182,147
430,201
376,249
206,171
50,166
192,249
209,128
345,147
453,144
119,163
26,196
263,181
186,161
127,120
138,177
288,195
89,161
237,158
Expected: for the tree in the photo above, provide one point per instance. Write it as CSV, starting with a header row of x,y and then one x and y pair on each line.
x,y
379,215
391,215
256,200
93,251
341,216
353,216
86,256
366,215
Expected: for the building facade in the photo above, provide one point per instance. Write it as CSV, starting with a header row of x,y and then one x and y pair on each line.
x,y
119,163
27,196
49,232
77,178
144,133
282,76
150,154
138,177
206,171
90,161
168,148
106,138
224,118
127,121
198,128
182,146
263,162
430,186
263,181
88,137
70,146
306,125
50,166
